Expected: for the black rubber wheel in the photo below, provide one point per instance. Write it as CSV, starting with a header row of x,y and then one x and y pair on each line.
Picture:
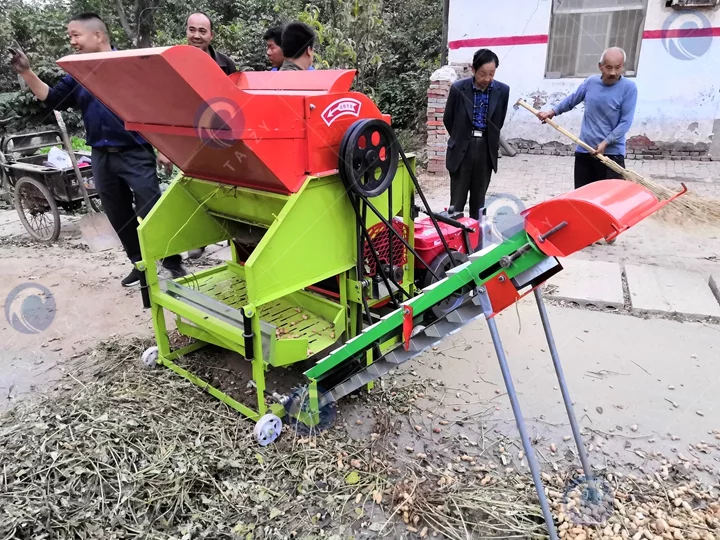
x,y
369,157
37,209
440,265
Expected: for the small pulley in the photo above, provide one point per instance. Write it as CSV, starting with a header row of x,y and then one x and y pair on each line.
x,y
297,407
368,157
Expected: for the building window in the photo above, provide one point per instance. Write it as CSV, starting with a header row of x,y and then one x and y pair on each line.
x,y
581,30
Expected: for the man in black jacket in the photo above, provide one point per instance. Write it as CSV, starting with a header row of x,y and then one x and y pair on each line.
x,y
474,115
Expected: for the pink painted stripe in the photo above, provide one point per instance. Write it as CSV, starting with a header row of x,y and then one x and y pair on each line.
x,y
543,38
498,41
682,33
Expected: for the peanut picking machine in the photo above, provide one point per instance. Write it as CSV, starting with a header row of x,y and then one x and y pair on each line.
x,y
331,262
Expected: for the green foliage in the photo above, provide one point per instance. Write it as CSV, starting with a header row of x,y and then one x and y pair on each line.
x,y
393,44
77,143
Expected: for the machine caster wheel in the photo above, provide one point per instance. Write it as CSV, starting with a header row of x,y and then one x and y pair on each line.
x,y
268,429
150,357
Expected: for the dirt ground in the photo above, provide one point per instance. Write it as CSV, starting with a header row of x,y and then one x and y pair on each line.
x,y
623,363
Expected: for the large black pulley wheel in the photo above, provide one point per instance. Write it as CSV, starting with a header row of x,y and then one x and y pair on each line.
x,y
37,209
368,157
440,265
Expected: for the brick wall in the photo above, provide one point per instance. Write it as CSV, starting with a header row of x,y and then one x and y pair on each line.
x,y
638,147
440,83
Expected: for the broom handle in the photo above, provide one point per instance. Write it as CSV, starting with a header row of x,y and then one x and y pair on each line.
x,y
607,161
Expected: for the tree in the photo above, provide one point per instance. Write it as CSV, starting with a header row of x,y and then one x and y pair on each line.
x,y
393,44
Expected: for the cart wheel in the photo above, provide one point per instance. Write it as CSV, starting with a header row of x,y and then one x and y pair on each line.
x,y
267,429
37,209
150,357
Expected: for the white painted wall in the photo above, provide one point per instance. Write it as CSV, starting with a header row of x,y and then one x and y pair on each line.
x,y
678,100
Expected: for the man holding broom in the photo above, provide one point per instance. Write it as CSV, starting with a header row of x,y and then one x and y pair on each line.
x,y
610,101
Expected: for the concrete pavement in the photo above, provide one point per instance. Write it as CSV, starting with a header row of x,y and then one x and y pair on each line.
x,y
534,178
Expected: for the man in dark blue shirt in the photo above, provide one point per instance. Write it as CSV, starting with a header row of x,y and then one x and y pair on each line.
x,y
124,163
474,115
274,52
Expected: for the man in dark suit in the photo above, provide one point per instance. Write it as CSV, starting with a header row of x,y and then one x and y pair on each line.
x,y
474,115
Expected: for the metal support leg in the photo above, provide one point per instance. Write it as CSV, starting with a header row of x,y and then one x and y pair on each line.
x,y
527,446
563,387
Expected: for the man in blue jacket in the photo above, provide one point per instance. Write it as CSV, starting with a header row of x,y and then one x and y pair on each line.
x,y
610,101
124,164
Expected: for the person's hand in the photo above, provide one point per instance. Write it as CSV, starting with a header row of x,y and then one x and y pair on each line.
x,y
18,60
165,163
601,148
546,115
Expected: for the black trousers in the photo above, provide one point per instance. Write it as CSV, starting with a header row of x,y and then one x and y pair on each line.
x,y
590,169
122,177
473,176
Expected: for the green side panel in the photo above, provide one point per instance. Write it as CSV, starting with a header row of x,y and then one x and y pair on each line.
x,y
178,222
467,273
311,240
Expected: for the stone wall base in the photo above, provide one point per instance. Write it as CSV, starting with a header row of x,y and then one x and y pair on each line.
x,y
668,151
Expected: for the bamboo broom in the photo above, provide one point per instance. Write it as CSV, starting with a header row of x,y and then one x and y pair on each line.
x,y
691,206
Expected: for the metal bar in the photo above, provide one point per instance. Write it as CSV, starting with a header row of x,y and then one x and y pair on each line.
x,y
419,191
519,420
225,134
186,350
197,381
362,221
552,231
458,278
563,386
593,10
399,236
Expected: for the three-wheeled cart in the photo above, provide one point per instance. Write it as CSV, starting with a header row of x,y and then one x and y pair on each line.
x,y
40,190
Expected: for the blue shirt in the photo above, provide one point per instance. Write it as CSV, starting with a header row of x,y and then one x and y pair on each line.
x,y
102,127
481,102
609,112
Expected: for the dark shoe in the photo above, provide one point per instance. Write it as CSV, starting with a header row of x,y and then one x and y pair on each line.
x,y
196,253
176,271
132,279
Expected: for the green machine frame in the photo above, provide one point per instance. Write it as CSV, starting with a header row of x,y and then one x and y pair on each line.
x,y
262,306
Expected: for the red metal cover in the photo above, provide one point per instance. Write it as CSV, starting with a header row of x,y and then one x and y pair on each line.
x,y
264,130
429,245
598,210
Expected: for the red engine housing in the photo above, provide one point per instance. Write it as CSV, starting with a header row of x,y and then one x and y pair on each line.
x,y
429,245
